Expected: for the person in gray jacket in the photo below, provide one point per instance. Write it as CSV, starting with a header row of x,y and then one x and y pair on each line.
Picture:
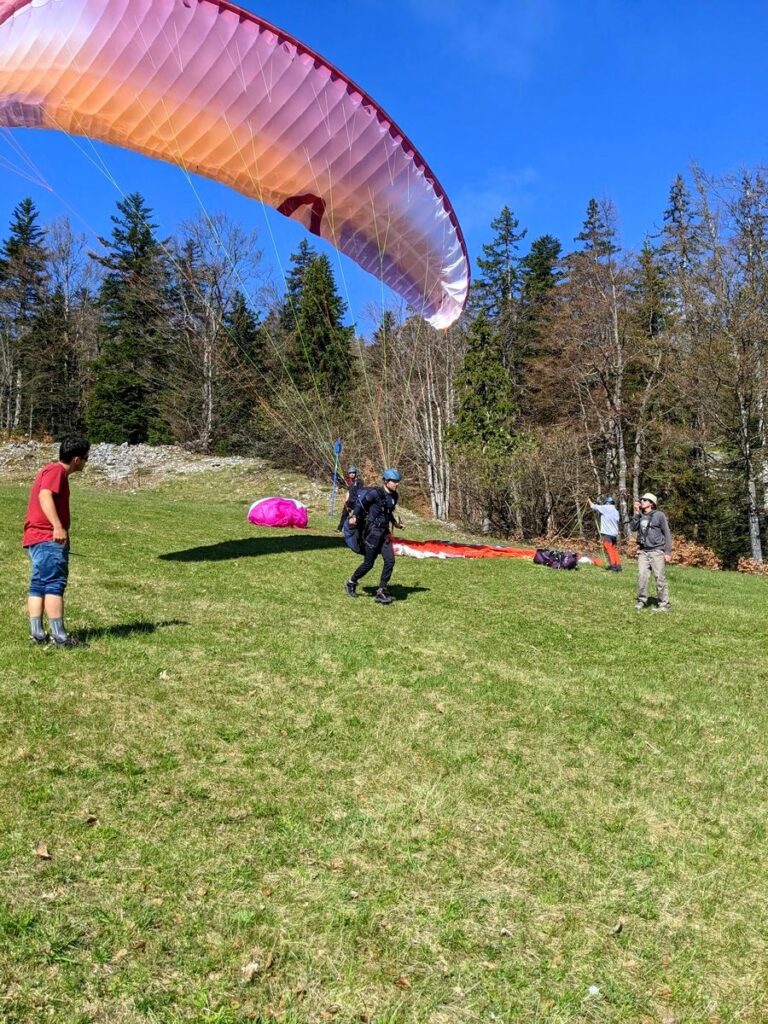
x,y
654,543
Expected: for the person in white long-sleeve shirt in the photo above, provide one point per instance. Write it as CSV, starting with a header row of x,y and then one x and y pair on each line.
x,y
609,532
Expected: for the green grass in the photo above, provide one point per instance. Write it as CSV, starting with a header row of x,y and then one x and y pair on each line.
x,y
432,812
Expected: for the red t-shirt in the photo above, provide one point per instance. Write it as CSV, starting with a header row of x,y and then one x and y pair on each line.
x,y
37,528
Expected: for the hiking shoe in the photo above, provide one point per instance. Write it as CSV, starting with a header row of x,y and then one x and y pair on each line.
x,y
40,641
639,606
351,588
383,596
68,641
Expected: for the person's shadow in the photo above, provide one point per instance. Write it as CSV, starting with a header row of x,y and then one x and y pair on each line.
x,y
398,591
252,547
122,629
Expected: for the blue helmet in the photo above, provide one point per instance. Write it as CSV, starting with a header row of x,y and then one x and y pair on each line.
x,y
353,469
391,474
609,501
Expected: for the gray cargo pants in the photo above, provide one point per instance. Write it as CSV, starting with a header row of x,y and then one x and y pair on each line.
x,y
652,562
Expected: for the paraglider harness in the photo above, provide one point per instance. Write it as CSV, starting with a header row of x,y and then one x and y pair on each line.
x,y
353,489
374,510
555,559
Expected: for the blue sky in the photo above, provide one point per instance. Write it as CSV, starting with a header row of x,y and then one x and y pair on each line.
x,y
539,104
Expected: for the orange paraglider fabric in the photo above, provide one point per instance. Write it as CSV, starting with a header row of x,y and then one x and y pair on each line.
x,y
223,93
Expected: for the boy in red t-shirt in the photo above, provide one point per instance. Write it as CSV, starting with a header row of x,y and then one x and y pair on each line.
x,y
46,538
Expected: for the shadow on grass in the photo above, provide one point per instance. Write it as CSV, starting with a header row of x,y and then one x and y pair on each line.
x,y
252,547
398,591
123,629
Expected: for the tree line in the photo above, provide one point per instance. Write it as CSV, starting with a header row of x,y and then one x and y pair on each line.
x,y
573,373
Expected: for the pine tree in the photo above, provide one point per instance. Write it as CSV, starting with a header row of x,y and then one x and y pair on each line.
x,y
380,351
56,399
294,284
539,276
599,232
485,394
650,293
135,332
497,285
679,245
22,293
240,420
321,355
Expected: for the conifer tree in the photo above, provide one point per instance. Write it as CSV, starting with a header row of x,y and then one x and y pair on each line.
x,y
598,234
294,284
539,276
55,399
321,355
22,292
125,403
240,420
380,352
485,418
497,285
650,292
679,242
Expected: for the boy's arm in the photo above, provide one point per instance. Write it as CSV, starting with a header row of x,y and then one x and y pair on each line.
x,y
48,505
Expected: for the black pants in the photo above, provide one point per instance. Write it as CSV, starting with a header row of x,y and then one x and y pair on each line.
x,y
376,542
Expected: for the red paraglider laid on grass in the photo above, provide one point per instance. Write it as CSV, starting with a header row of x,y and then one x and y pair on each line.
x,y
450,549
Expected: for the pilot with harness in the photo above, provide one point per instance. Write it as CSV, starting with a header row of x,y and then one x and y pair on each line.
x,y
374,516
354,486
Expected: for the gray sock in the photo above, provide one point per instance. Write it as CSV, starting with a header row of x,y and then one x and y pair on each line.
x,y
57,628
36,627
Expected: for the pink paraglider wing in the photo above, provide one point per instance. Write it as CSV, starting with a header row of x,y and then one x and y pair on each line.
x,y
222,93
278,512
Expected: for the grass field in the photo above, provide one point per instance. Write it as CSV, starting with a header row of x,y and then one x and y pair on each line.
x,y
506,797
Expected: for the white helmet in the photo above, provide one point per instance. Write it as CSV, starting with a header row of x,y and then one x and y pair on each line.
x,y
649,497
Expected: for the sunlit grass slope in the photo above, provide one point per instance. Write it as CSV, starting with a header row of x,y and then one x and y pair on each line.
x,y
506,797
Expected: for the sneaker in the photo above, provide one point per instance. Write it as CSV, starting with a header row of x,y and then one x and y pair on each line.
x,y
68,641
351,588
40,641
639,606
383,596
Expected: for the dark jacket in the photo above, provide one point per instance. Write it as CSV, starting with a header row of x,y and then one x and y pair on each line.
x,y
353,492
377,506
655,534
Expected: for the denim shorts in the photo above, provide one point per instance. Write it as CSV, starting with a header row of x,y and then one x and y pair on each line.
x,y
50,568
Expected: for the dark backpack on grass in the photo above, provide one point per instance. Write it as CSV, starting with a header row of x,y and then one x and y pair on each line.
x,y
554,559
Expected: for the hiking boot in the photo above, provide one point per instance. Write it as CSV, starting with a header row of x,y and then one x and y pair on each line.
x,y
639,606
383,596
351,588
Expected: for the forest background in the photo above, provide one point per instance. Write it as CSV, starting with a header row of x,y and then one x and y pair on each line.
x,y
579,369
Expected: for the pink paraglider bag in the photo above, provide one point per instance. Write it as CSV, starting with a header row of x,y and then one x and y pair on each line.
x,y
278,512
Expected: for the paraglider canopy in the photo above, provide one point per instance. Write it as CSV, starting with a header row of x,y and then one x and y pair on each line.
x,y
278,512
223,93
